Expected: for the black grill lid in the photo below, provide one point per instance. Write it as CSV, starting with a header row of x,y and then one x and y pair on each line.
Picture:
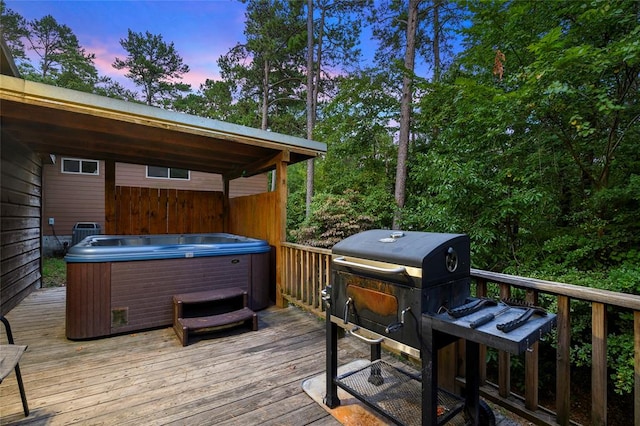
x,y
408,248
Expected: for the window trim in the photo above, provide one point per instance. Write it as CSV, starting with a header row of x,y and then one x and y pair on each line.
x,y
80,160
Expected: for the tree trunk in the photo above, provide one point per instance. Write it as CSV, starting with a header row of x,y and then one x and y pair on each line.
x,y
265,96
311,110
405,112
437,66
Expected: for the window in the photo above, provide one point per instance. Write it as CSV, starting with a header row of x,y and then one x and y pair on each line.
x,y
80,166
167,173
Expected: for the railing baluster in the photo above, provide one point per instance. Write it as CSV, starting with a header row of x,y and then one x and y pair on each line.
x,y
316,280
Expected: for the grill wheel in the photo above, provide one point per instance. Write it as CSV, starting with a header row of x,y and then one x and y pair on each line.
x,y
487,418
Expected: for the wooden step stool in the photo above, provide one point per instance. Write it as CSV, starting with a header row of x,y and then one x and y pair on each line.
x,y
207,311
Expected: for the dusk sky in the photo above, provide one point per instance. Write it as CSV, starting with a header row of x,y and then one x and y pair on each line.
x,y
201,31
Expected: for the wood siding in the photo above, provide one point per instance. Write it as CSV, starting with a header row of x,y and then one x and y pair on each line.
x,y
20,189
71,198
136,175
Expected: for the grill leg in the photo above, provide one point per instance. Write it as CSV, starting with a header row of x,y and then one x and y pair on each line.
x,y
429,358
331,398
375,377
472,388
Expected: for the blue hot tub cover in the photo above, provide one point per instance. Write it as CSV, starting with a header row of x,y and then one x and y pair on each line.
x,y
122,248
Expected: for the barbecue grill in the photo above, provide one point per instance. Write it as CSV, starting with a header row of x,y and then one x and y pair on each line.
x,y
411,290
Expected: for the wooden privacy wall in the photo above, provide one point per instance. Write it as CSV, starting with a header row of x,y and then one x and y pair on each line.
x,y
255,216
147,211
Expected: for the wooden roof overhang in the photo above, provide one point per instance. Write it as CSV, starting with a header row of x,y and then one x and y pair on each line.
x,y
54,120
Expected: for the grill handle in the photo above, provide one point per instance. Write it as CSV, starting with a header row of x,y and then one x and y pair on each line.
x,y
364,339
388,271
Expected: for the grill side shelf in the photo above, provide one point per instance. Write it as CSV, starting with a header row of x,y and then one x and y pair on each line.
x,y
515,341
396,394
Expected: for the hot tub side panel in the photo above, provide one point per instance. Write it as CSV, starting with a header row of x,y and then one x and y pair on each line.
x,y
260,281
142,291
88,305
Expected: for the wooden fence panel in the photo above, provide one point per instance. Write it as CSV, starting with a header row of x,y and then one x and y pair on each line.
x,y
255,216
158,211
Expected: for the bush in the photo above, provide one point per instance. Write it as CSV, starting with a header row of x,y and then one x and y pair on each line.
x,y
333,218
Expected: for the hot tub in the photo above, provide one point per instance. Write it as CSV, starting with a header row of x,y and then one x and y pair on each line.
x,y
124,283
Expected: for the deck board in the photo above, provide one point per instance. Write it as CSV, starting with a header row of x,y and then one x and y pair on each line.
x,y
239,377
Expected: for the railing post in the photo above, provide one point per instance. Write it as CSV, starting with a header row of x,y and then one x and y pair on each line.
x,y
531,365
504,358
636,367
599,364
481,291
563,361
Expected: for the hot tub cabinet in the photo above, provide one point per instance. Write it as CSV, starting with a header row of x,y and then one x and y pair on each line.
x,y
119,284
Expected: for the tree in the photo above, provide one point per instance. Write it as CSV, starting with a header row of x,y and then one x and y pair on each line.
x,y
153,65
213,100
112,89
405,110
417,28
13,28
62,61
338,27
266,71
358,124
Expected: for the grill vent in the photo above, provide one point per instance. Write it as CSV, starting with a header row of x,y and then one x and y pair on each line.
x,y
119,317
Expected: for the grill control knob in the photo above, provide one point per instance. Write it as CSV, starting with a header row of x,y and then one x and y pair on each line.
x,y
451,260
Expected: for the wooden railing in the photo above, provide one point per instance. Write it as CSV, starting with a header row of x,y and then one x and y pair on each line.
x,y
307,272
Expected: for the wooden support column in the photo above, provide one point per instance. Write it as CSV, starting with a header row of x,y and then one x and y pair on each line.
x,y
599,364
226,205
110,214
281,226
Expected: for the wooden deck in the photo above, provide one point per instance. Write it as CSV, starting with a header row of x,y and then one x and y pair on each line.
x,y
239,378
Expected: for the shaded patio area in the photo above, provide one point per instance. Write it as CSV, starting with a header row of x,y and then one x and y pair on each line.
x,y
238,377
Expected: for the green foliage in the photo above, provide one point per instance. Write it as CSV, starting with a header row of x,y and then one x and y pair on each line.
x,y
265,73
333,218
62,61
13,28
356,124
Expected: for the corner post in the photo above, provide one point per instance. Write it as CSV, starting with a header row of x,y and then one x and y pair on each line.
x,y
110,211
